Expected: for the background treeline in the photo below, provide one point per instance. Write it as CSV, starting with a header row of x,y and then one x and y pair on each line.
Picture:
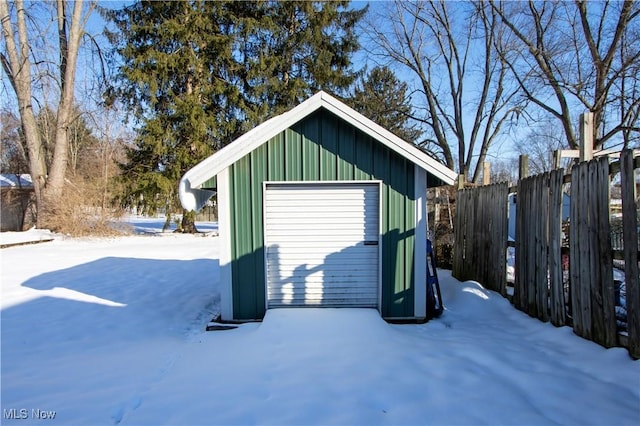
x,y
122,109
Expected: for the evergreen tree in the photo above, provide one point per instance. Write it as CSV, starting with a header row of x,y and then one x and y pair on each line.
x,y
292,49
382,98
198,74
176,56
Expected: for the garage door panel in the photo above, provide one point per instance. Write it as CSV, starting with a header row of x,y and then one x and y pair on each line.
x,y
347,300
339,297
316,251
322,244
289,270
285,225
350,262
312,237
303,253
353,288
362,280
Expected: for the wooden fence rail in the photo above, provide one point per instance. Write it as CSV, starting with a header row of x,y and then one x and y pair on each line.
x,y
588,302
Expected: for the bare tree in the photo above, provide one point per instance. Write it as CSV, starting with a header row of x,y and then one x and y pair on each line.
x,y
17,59
539,143
12,155
449,48
577,56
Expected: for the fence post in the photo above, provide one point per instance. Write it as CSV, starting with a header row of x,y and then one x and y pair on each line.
x,y
586,136
523,169
486,173
556,157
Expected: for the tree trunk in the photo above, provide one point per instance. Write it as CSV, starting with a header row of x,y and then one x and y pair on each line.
x,y
18,68
69,46
189,222
167,222
16,63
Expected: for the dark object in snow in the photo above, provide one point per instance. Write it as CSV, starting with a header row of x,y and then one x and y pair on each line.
x,y
621,304
434,297
219,327
216,325
24,243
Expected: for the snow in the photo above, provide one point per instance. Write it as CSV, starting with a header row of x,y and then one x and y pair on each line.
x,y
111,331
9,180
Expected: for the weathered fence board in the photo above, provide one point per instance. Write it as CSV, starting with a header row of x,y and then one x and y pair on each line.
x,y
579,253
630,238
542,244
539,278
588,303
557,302
481,235
591,265
608,335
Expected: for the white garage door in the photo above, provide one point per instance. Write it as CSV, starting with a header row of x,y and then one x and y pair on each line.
x,y
322,244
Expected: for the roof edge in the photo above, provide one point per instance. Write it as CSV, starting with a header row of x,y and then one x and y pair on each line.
x,y
193,198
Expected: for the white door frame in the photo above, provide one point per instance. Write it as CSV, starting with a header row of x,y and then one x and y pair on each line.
x,y
378,183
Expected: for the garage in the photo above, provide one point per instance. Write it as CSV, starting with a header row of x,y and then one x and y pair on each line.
x,y
322,244
319,207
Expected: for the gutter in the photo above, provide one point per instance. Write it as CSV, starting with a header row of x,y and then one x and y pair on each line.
x,y
193,198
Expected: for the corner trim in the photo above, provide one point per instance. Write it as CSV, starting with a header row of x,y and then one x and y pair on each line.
x,y
420,252
224,231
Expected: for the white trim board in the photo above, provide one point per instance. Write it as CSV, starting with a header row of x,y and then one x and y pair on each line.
x,y
224,234
193,198
420,249
309,269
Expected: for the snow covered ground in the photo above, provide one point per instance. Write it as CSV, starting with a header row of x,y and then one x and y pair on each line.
x,y
111,331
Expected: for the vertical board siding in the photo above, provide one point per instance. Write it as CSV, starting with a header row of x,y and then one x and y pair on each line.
x,y
591,264
322,147
630,236
293,155
480,232
243,252
587,300
538,288
329,137
363,147
275,158
346,155
310,150
557,303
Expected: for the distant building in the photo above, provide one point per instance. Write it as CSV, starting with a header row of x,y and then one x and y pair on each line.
x,y
18,199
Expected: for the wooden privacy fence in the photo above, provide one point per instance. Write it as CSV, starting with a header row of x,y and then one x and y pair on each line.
x,y
587,299
480,230
538,276
591,261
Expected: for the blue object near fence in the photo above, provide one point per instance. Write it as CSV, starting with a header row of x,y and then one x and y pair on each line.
x,y
434,297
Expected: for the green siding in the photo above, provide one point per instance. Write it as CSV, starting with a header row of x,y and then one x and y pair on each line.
x,y
292,155
275,160
329,141
322,147
210,184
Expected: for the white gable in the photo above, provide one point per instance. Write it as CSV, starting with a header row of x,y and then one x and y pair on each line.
x,y
193,198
